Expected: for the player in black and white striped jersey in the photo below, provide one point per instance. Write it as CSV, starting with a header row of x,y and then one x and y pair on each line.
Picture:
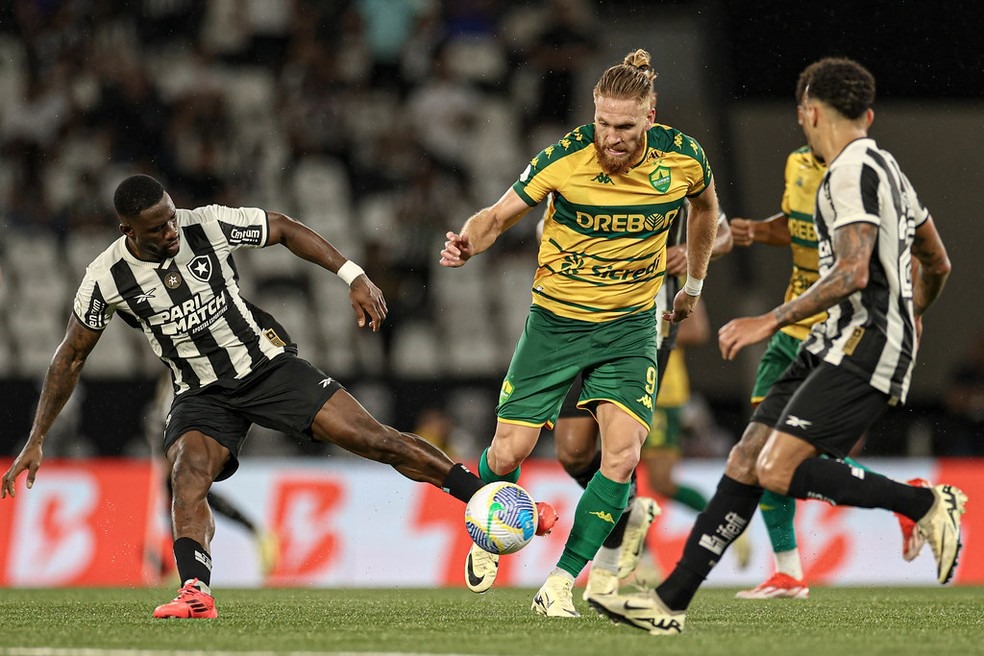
x,y
870,224
172,276
872,332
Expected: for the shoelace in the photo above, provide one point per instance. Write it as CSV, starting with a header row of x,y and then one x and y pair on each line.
x,y
187,591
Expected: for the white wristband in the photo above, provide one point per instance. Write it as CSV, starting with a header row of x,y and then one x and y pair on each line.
x,y
349,272
693,286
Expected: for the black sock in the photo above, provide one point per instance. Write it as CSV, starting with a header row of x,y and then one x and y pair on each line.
x,y
461,483
224,507
725,518
841,484
584,476
193,561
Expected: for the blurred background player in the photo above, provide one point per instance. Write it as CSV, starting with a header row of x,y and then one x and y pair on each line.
x,y
593,298
793,227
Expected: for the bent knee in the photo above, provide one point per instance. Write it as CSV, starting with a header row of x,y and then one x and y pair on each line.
x,y
619,464
773,476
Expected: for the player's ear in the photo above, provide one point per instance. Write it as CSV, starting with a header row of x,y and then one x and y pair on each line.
x,y
125,230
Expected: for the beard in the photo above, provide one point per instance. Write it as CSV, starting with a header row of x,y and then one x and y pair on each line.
x,y
617,165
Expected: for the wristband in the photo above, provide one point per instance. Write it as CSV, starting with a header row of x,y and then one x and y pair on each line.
x,y
349,272
693,286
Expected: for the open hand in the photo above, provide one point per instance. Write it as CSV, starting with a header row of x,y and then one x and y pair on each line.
x,y
739,333
30,459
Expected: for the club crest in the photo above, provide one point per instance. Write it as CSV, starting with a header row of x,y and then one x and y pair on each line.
x,y
200,268
660,179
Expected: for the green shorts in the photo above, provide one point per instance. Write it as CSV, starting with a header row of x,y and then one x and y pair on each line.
x,y
617,358
779,354
666,430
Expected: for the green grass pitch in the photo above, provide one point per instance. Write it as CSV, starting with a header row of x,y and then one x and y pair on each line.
x,y
838,621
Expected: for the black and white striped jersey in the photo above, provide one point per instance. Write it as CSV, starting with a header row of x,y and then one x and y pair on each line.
x,y
189,307
872,332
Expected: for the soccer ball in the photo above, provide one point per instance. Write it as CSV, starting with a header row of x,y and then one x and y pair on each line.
x,y
501,518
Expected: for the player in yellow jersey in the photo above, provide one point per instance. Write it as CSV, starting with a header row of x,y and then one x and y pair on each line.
x,y
612,188
793,227
576,431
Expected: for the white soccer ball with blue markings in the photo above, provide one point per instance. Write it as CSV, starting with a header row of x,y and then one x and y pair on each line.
x,y
501,518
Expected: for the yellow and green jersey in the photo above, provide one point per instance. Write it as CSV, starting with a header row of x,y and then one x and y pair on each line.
x,y
602,255
803,175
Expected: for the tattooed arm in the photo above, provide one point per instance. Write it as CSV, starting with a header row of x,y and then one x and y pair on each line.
x,y
59,382
853,246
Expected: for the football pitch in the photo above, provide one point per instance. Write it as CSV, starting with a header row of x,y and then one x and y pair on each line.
x,y
841,621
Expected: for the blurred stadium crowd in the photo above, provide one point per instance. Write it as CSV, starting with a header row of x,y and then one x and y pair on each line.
x,y
377,122
380,123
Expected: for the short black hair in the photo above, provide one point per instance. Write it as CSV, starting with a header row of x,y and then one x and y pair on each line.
x,y
842,83
137,193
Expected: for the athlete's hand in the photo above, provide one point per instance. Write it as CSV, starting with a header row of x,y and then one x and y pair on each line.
x,y
457,250
739,333
742,232
683,306
367,299
30,459
676,261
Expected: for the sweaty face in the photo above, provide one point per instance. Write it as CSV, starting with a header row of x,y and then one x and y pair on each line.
x,y
153,235
620,132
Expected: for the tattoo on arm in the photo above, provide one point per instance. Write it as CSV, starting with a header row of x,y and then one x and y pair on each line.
x,y
853,246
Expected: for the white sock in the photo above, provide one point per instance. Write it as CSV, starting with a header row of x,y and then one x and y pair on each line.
x,y
788,562
201,585
607,559
635,518
557,571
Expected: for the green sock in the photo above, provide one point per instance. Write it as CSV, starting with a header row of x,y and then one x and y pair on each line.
x,y
778,512
690,497
599,509
486,474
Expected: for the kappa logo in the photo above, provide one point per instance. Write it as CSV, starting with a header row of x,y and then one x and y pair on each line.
x,y
201,268
603,179
796,422
603,516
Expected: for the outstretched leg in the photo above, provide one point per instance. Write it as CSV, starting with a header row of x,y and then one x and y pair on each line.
x,y
343,421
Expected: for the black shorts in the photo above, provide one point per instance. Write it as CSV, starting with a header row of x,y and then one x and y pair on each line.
x,y
285,396
825,405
